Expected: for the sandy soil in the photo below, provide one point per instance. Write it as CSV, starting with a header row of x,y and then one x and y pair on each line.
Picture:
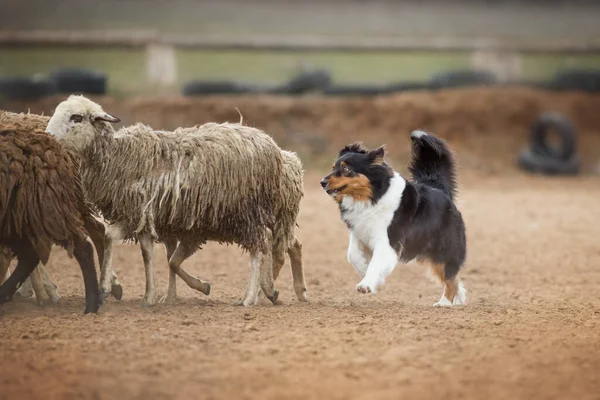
x,y
531,328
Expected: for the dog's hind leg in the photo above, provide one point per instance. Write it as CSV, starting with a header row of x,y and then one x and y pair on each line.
x,y
455,293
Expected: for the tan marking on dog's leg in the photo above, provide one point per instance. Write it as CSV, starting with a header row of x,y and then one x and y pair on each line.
x,y
38,286
295,255
49,285
452,287
171,296
182,252
147,246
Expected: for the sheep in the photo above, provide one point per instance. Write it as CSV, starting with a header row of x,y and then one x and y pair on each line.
x,y
216,182
40,282
41,204
289,194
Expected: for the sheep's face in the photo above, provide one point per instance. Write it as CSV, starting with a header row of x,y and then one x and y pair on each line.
x,y
77,120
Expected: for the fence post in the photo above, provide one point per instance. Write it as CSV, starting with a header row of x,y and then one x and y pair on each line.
x,y
507,65
161,64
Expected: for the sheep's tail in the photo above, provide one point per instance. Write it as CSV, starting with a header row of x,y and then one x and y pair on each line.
x,y
433,163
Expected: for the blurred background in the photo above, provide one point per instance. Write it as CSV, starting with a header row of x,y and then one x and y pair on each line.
x,y
221,52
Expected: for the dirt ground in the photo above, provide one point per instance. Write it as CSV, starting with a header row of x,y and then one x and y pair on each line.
x,y
531,328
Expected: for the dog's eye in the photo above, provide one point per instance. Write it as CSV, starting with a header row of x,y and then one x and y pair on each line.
x,y
345,169
76,118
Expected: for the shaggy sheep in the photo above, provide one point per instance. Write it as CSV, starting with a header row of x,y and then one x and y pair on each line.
x,y
40,282
289,194
215,182
41,204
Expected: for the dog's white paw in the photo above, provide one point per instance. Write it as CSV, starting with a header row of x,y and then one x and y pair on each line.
x,y
460,298
365,287
444,302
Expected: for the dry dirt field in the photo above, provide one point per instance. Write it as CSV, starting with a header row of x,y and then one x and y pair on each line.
x,y
531,328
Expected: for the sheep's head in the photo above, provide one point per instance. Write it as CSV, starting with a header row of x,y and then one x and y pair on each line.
x,y
77,120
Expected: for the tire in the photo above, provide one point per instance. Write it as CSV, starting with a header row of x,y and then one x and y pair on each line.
x,y
407,87
21,88
354,90
197,88
577,79
464,77
541,164
74,80
539,135
304,82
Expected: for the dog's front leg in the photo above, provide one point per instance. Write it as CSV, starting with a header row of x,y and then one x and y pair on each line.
x,y
382,264
357,257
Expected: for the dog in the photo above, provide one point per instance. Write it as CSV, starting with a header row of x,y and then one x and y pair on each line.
x,y
392,219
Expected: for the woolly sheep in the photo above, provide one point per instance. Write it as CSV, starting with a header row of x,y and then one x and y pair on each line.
x,y
42,204
40,282
213,182
289,194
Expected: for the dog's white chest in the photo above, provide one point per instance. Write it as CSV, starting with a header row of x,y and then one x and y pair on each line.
x,y
369,222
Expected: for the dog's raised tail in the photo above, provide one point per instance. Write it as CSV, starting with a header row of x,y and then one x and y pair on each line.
x,y
433,162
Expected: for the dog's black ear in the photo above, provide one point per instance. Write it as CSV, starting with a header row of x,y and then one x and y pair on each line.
x,y
354,148
376,156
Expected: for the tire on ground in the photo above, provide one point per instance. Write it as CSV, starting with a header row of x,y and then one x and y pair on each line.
x,y
76,80
462,77
587,80
354,90
197,88
538,139
541,164
308,81
23,88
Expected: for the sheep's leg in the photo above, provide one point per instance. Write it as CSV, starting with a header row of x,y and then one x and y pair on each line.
x,y
27,261
108,278
147,245
171,296
295,254
84,254
183,251
98,234
26,289
252,288
49,285
5,258
38,285
278,262
266,270
261,275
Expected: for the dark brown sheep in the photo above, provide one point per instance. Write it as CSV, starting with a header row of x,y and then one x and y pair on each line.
x,y
42,204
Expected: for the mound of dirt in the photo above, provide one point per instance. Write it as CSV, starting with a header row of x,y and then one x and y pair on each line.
x,y
486,126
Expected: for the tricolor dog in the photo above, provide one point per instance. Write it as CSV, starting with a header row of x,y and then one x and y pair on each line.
x,y
392,219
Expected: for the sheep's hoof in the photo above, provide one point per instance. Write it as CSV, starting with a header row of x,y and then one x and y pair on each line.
x,y
148,301
274,297
168,299
116,291
301,294
206,290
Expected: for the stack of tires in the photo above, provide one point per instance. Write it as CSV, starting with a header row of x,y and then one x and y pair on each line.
x,y
540,157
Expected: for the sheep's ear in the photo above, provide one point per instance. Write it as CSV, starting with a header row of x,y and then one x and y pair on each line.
x,y
107,117
376,156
